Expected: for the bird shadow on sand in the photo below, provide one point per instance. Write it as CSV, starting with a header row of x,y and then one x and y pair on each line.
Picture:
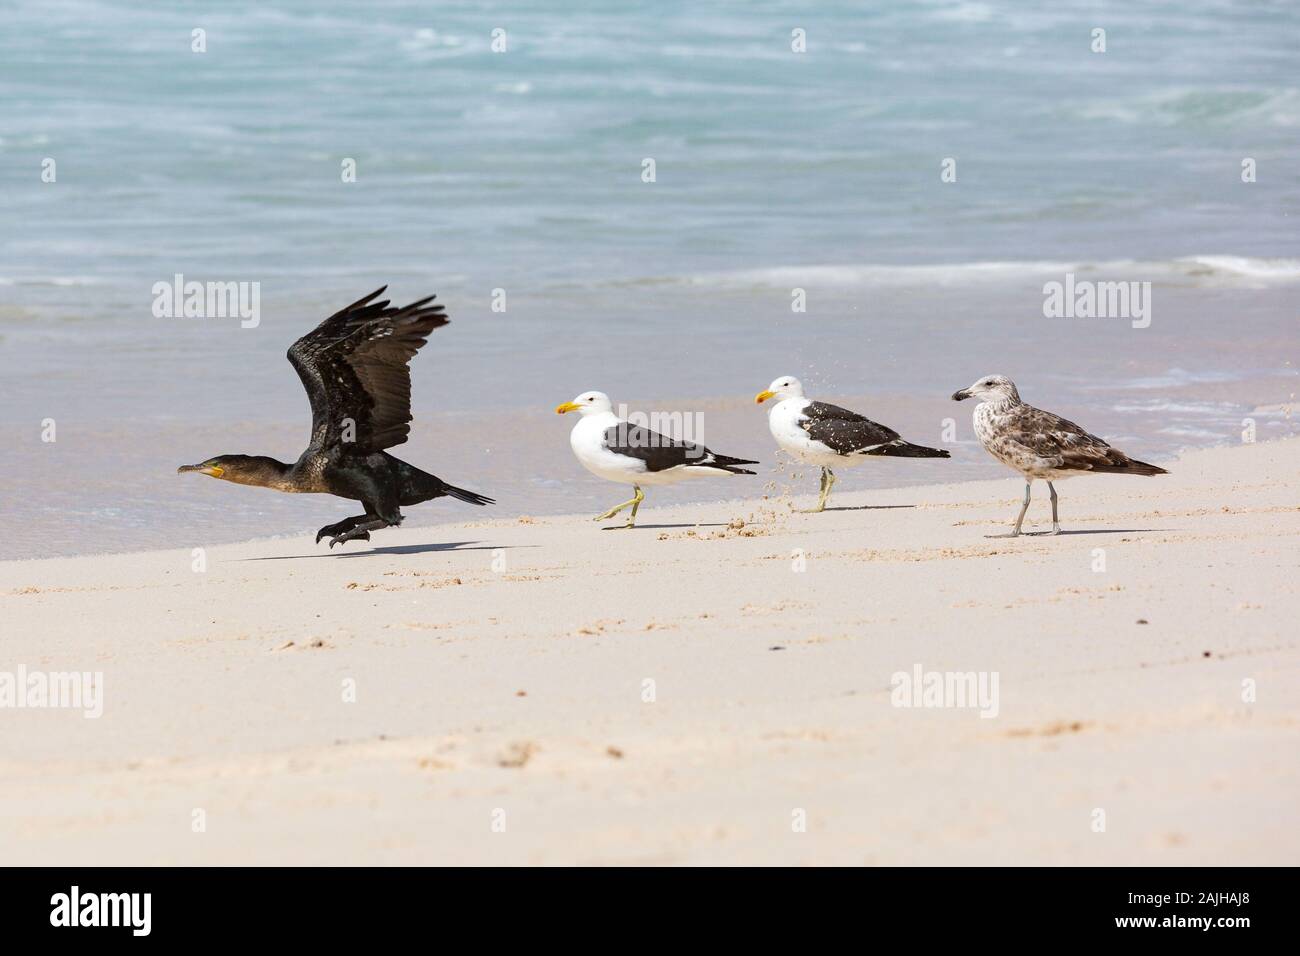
x,y
1062,534
867,507
396,549
652,527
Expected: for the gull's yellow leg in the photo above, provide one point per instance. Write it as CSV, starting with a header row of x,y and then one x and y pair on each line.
x,y
632,503
640,497
827,481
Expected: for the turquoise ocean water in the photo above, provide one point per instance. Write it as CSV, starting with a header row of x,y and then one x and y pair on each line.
x,y
522,170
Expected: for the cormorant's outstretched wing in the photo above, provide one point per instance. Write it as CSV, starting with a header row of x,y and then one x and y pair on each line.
x,y
354,368
844,431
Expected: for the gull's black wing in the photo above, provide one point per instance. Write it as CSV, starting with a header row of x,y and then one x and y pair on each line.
x,y
659,452
844,431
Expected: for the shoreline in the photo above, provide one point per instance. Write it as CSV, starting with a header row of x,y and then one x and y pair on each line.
x,y
776,503
777,478
784,501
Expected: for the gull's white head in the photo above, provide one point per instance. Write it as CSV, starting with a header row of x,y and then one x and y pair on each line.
x,y
587,403
787,386
990,388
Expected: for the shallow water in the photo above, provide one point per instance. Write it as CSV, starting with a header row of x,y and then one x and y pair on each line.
x,y
521,171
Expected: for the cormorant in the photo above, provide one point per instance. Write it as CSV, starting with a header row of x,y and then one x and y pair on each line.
x,y
354,366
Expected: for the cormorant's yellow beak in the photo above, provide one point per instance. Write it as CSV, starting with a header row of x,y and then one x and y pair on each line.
x,y
216,471
761,397
567,407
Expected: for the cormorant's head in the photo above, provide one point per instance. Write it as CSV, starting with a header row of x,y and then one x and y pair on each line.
x,y
242,469
990,388
787,386
586,404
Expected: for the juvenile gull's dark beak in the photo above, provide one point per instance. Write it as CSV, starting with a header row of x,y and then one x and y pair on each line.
x,y
184,468
961,394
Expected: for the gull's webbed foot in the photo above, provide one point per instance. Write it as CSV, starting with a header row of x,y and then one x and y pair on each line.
x,y
634,503
1008,534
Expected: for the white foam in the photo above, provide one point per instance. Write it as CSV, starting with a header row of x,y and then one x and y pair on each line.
x,y
1219,269
1282,269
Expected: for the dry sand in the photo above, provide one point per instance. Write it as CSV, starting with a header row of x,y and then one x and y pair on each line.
x,y
500,673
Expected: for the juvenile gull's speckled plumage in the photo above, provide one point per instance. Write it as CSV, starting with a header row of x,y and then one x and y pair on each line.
x,y
1040,444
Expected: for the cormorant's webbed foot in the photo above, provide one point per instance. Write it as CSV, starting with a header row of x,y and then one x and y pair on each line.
x,y
360,531
353,535
333,530
350,529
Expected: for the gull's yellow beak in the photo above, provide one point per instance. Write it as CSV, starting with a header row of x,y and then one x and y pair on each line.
x,y
761,397
567,407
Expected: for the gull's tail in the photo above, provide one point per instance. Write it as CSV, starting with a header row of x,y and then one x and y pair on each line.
x,y
905,449
726,463
1130,467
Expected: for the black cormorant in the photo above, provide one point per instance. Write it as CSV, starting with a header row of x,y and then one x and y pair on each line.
x,y
354,366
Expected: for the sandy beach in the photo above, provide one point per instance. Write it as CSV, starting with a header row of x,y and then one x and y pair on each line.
x,y
718,686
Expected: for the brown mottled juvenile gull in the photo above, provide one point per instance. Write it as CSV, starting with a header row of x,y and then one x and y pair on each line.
x,y
1039,444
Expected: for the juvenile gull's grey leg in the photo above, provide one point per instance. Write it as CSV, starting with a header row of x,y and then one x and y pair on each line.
x,y
1056,525
1020,518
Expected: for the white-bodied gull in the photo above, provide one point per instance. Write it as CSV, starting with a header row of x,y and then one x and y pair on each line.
x,y
612,449
827,435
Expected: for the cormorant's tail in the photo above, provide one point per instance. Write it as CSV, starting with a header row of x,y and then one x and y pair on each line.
x,y
905,449
416,486
469,497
